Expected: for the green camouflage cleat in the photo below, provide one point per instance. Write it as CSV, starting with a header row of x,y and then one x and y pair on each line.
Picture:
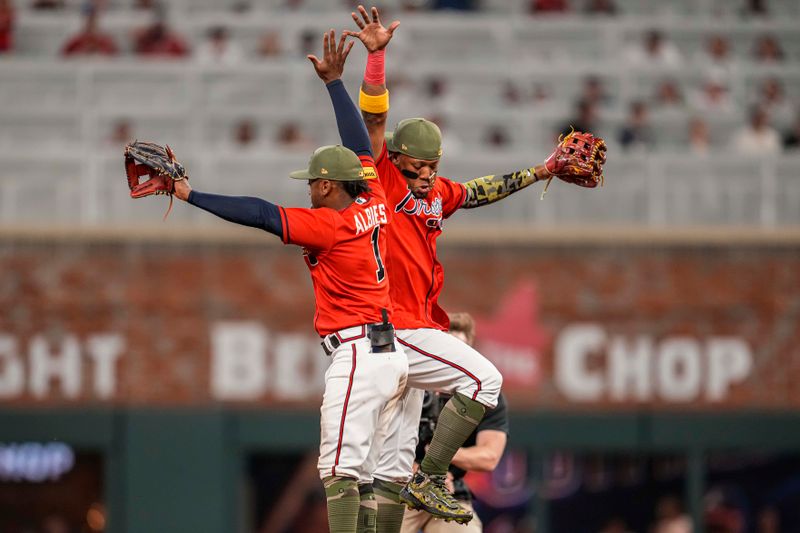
x,y
428,493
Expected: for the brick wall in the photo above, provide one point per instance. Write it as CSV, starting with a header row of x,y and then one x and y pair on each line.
x,y
162,300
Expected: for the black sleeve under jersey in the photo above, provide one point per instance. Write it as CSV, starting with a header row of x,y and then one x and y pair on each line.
x,y
496,419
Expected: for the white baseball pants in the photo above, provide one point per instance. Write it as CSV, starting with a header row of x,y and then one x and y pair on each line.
x,y
436,361
360,405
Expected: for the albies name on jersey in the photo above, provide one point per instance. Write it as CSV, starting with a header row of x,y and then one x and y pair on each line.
x,y
370,217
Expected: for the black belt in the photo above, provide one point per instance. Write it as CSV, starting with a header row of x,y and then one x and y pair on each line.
x,y
381,338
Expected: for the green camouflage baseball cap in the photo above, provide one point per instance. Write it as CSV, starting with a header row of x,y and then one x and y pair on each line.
x,y
335,163
417,138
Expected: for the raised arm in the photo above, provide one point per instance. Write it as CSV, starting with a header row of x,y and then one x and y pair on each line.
x,y
352,130
374,98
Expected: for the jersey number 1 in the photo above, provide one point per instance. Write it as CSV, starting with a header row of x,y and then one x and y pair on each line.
x,y
380,271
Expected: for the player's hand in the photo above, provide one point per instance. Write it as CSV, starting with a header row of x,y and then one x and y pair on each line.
x,y
372,34
182,190
331,66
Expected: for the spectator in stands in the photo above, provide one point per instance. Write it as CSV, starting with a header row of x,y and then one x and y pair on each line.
x,y
269,45
773,99
656,51
158,40
542,93
699,136
121,133
457,5
791,141
585,118
308,42
756,7
758,137
245,135
219,48
714,95
291,136
668,96
6,26
717,54
768,50
451,141
600,7
549,6
670,517
48,4
497,137
636,133
436,92
512,96
595,92
90,41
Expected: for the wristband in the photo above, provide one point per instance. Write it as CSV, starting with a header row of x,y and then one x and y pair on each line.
x,y
375,73
373,104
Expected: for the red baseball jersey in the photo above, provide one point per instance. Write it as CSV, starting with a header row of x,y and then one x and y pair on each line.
x,y
344,251
415,274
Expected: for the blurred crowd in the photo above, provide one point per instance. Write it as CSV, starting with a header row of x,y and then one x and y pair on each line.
x,y
770,125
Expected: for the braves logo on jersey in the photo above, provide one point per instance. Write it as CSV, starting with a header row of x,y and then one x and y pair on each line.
x,y
431,212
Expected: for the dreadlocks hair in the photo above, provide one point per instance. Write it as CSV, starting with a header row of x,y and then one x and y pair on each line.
x,y
355,187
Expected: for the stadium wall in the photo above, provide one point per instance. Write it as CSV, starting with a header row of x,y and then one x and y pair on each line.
x,y
178,360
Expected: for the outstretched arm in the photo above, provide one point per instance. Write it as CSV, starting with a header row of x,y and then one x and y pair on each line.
x,y
374,98
489,189
352,130
244,210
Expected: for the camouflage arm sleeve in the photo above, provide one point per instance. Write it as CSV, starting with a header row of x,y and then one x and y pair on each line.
x,y
489,189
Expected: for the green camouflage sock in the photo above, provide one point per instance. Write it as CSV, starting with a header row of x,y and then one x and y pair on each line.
x,y
458,419
390,510
367,510
343,503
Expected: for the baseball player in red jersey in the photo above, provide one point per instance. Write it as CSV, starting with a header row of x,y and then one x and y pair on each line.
x,y
407,166
344,246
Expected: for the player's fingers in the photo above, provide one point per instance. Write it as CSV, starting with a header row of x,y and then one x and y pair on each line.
x,y
375,16
364,14
393,26
325,45
340,48
349,33
358,21
331,43
347,50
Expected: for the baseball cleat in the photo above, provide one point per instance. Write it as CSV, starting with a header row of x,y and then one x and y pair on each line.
x,y
428,493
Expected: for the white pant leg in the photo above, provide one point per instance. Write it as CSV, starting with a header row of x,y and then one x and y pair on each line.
x,y
436,361
389,421
358,386
393,465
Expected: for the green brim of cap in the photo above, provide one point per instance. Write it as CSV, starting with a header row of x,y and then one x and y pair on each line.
x,y
301,175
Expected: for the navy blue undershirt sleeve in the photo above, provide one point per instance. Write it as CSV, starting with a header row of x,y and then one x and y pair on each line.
x,y
244,210
352,129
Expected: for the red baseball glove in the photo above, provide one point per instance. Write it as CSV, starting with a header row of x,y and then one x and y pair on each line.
x,y
158,164
578,159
